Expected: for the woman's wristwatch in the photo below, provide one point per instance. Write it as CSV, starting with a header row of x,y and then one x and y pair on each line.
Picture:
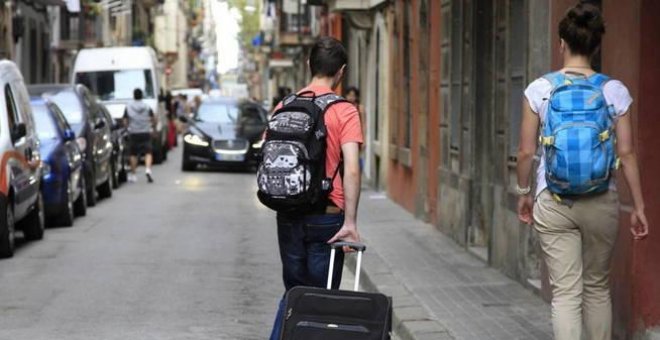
x,y
523,191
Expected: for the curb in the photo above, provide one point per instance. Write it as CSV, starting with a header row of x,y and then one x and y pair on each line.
x,y
410,320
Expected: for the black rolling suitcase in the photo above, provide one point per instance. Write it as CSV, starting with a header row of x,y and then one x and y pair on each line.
x,y
324,314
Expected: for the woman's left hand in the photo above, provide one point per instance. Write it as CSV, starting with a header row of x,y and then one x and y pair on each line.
x,y
525,209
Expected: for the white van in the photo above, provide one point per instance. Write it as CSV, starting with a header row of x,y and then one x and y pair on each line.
x,y
113,73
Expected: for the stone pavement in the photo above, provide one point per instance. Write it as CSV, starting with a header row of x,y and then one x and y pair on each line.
x,y
439,290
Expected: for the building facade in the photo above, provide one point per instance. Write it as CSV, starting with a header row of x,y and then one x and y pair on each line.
x,y
32,36
461,67
171,28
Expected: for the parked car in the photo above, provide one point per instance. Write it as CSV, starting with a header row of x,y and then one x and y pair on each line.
x,y
63,183
119,162
224,132
21,202
93,134
112,73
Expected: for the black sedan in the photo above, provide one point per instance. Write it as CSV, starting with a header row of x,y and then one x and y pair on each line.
x,y
224,132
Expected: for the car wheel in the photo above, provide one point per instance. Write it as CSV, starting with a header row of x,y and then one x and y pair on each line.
x,y
33,226
105,190
114,173
91,189
7,231
80,206
68,211
123,174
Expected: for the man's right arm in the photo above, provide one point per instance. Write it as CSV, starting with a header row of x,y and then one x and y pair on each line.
x,y
351,182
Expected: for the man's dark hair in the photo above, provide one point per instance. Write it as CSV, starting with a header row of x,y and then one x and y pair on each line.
x,y
137,94
327,57
582,29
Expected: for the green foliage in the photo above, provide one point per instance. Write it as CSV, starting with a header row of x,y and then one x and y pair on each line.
x,y
249,23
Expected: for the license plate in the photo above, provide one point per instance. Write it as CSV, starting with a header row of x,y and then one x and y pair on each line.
x,y
229,158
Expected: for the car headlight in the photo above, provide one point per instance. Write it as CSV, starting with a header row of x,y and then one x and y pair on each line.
x,y
82,143
195,140
258,144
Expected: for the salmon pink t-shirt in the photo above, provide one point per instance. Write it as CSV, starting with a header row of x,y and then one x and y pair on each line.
x,y
342,121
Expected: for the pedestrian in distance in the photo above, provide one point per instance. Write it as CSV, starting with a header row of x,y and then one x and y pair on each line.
x,y
140,121
585,132
316,199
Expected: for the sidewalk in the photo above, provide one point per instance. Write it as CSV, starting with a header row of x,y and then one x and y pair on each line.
x,y
439,290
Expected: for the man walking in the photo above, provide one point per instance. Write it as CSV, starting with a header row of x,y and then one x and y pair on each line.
x,y
140,120
304,238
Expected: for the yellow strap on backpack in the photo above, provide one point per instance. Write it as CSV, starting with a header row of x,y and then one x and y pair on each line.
x,y
550,140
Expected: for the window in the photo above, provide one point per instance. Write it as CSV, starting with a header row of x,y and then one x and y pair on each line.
x,y
70,105
407,111
109,85
12,113
377,90
59,118
396,43
223,113
456,44
46,128
516,71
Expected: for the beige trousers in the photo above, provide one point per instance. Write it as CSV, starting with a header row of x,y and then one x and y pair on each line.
x,y
577,244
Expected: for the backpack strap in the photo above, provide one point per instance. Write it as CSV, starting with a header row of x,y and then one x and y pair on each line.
x,y
326,100
556,79
599,80
288,99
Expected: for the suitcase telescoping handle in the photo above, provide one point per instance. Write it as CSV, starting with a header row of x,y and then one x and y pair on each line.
x,y
359,247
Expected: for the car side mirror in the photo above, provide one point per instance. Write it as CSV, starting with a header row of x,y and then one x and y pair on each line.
x,y
100,124
69,135
19,131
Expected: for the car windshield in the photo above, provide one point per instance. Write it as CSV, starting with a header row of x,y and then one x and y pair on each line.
x,y
223,113
46,128
120,84
70,105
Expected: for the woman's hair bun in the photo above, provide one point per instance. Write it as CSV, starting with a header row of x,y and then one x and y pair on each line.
x,y
586,15
582,28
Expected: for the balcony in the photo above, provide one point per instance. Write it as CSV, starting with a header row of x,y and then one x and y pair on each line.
x,y
298,29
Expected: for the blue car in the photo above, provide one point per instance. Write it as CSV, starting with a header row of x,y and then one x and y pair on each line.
x,y
62,180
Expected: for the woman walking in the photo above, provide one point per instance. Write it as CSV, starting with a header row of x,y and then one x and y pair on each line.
x,y
582,121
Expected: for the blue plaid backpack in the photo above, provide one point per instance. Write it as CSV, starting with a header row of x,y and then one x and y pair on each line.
x,y
578,135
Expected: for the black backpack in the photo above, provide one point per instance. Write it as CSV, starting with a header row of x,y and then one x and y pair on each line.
x,y
292,177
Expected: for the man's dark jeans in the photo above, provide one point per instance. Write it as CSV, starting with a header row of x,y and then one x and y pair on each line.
x,y
305,254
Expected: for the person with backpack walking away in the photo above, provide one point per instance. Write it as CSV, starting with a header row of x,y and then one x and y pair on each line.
x,y
140,120
585,134
310,173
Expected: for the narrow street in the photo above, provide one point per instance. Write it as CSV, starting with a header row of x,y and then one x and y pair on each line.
x,y
193,256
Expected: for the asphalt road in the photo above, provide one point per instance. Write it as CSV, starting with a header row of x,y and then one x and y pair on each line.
x,y
192,256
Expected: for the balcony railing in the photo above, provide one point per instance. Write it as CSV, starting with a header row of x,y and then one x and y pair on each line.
x,y
297,29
